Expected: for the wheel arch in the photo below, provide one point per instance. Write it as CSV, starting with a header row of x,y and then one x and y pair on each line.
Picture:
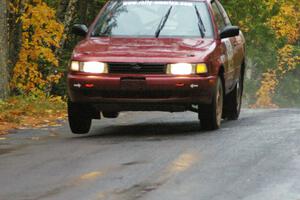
x,y
221,74
243,69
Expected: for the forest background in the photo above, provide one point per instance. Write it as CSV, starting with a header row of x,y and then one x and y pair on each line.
x,y
36,44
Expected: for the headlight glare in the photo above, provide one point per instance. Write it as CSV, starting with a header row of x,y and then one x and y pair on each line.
x,y
89,67
75,66
187,69
93,67
180,69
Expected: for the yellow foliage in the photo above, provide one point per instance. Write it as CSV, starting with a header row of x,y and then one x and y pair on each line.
x,y
286,60
286,24
267,89
34,71
270,79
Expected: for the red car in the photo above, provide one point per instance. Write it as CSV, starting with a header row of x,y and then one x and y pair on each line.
x,y
155,55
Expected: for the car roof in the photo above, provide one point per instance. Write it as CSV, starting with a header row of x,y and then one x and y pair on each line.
x,y
171,0
208,1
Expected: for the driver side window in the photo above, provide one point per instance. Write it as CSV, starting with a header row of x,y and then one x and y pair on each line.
x,y
218,17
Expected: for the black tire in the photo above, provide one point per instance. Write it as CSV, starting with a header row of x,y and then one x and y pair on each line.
x,y
211,115
110,115
233,102
80,119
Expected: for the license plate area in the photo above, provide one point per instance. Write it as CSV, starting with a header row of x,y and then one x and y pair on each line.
x,y
133,83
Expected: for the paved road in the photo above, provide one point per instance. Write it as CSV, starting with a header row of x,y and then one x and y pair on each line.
x,y
157,156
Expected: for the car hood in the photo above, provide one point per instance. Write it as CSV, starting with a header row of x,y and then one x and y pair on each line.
x,y
143,49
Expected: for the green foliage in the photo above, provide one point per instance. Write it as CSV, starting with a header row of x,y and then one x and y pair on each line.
x,y
287,93
271,28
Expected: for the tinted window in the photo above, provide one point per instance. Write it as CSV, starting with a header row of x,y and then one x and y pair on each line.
x,y
224,14
142,18
218,17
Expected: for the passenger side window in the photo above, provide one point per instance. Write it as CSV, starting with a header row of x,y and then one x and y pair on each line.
x,y
224,14
218,17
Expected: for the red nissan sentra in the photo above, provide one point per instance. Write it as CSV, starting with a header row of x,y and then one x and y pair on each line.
x,y
169,56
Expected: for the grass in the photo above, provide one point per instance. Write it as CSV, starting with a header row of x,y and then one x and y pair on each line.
x,y
31,112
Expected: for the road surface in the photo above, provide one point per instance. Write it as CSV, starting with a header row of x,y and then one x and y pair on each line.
x,y
157,156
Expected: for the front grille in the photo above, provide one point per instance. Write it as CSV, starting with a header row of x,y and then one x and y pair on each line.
x,y
136,68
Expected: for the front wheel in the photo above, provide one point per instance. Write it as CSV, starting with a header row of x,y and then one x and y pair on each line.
x,y
80,119
211,115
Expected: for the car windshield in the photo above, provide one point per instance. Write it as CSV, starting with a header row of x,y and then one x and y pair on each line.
x,y
154,19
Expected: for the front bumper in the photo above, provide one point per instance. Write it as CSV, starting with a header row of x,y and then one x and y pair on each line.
x,y
140,89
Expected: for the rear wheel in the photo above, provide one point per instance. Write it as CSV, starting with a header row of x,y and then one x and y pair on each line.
x,y
233,102
80,119
211,115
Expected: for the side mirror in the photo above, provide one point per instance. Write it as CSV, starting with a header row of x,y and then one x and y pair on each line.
x,y
80,30
230,31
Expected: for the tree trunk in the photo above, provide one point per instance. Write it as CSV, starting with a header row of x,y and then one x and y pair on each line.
x,y
4,75
82,11
14,34
69,16
61,10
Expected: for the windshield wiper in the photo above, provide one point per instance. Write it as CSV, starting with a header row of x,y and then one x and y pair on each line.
x,y
163,22
200,23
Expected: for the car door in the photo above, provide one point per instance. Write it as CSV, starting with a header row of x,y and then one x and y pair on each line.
x,y
227,45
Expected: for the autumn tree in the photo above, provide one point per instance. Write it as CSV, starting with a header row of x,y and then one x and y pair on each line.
x,y
4,75
68,18
271,28
286,25
34,72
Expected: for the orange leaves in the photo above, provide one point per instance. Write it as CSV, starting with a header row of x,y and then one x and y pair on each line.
x,y
286,24
33,72
267,89
21,112
286,62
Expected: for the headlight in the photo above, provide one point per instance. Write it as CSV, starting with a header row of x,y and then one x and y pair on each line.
x,y
187,69
180,69
89,67
94,67
74,66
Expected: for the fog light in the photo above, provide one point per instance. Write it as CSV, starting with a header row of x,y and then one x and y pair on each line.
x,y
89,85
